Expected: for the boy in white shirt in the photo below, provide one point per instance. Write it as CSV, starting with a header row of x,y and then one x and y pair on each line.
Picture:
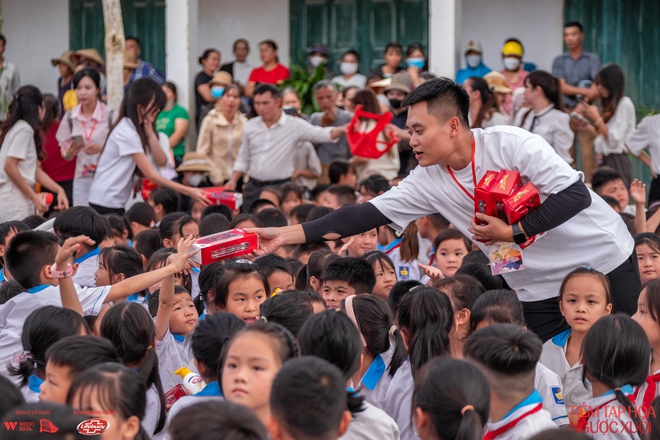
x,y
508,355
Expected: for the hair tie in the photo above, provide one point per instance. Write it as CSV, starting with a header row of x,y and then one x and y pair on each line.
x,y
617,389
149,348
275,292
466,408
263,318
392,330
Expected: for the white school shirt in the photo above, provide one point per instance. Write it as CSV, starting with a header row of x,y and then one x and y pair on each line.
x,y
639,399
376,380
620,125
151,415
548,384
174,352
611,421
646,135
113,180
87,266
305,158
596,236
405,270
14,312
552,125
19,144
398,401
553,356
372,423
527,427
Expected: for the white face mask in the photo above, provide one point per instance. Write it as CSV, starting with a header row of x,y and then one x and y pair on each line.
x,y
348,68
473,60
195,179
511,63
316,60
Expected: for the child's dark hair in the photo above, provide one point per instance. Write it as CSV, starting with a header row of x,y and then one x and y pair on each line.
x,y
12,226
270,263
10,289
81,352
393,45
213,419
146,93
344,193
184,221
373,257
120,225
301,212
603,176
155,297
308,248
317,191
355,271
236,271
375,185
375,324
587,271
208,277
31,415
25,106
212,224
80,220
318,261
121,259
272,218
438,221
11,396
451,234
43,328
295,265
497,307
426,315
334,337
456,396
260,205
27,254
398,291
653,299
169,225
482,274
291,188
308,398
141,213
32,221
147,242
132,331
218,209
116,389
615,352
211,335
649,239
463,289
614,203
240,218
290,309
337,169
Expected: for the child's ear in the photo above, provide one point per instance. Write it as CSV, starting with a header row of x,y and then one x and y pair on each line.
x,y
125,235
274,429
608,309
130,427
314,283
345,423
167,243
422,422
144,261
463,317
74,266
47,273
119,278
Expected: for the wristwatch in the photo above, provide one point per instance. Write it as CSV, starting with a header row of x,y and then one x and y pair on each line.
x,y
518,234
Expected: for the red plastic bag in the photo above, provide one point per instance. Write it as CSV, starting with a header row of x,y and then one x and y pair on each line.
x,y
367,144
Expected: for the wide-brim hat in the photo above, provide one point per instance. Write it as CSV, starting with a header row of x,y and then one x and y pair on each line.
x,y
65,59
497,82
194,162
382,83
222,78
130,60
90,54
401,82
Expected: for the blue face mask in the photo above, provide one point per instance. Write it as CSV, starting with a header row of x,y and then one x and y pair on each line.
x,y
217,92
417,62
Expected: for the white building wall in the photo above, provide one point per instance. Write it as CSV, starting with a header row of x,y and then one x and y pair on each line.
x,y
537,23
222,22
36,31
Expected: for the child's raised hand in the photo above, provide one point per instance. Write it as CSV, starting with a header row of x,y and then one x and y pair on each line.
x,y
183,253
431,272
638,192
69,248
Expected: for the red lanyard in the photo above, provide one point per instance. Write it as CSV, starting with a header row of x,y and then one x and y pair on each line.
x,y
649,394
584,418
474,175
490,435
91,132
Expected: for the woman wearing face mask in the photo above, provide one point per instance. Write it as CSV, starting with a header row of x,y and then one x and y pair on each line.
x,y
415,62
210,61
193,172
512,54
173,121
474,60
350,64
217,86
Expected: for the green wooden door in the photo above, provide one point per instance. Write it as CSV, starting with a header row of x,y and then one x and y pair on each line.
x,y
144,19
364,25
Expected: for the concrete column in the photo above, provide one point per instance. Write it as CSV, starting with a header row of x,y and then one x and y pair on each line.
x,y
444,36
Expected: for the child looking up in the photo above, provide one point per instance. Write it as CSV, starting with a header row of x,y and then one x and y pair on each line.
x,y
240,290
345,277
647,247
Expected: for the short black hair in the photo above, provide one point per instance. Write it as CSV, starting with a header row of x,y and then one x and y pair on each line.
x,y
603,176
32,221
212,224
317,190
290,309
393,45
141,213
574,23
308,248
269,263
169,225
344,193
259,203
482,273
355,271
147,242
28,253
11,396
213,419
317,212
3,38
451,234
438,221
398,291
268,88
272,218
10,289
240,218
444,99
81,220
497,307
166,197
211,335
375,184
614,203
7,228
81,352
301,212
218,209
337,169
352,52
131,37
308,398
184,221
119,224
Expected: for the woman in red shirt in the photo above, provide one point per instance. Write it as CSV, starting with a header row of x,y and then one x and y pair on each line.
x,y
272,72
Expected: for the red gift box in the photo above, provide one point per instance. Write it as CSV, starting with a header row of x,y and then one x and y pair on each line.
x,y
224,245
521,203
220,195
367,144
482,195
506,183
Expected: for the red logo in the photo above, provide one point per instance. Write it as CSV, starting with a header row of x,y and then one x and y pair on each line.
x,y
47,426
93,427
10,426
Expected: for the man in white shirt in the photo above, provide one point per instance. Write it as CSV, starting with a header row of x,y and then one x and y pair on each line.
x,y
581,230
269,144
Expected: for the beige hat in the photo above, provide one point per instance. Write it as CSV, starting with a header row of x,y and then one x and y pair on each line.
x,y
497,82
401,82
130,60
473,45
382,83
222,78
90,54
65,59
194,162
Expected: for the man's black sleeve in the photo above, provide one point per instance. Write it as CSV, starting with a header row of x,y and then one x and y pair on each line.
x,y
347,221
557,209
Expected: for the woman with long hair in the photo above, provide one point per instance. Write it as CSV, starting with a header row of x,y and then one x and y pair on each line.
x,y
210,61
484,110
21,148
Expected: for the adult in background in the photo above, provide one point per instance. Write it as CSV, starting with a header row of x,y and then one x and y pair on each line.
x,y
210,60
416,62
349,67
329,116
217,85
514,74
319,56
90,58
84,130
64,82
130,65
271,72
393,55
269,142
484,109
396,93
576,69
173,121
240,68
144,68
474,61
9,79
455,158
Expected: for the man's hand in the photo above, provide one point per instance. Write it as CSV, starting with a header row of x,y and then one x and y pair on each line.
x,y
495,230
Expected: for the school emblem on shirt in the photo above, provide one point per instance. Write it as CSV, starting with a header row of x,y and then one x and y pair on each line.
x,y
404,272
556,393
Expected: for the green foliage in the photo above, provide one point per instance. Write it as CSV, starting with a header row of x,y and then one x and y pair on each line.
x,y
303,83
644,111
